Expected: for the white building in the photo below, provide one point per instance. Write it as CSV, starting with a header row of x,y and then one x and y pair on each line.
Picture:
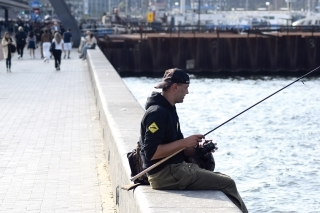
x,y
79,8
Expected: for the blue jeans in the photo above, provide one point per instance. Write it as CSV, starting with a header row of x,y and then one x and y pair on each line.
x,y
84,50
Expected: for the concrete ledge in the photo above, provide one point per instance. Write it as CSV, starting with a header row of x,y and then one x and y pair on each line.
x,y
120,115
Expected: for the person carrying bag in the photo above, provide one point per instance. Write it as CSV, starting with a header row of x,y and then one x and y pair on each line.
x,y
8,48
57,46
12,47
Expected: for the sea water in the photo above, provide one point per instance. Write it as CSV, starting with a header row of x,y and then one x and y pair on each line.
x,y
272,151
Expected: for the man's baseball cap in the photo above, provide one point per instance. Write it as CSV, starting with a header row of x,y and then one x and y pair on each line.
x,y
172,76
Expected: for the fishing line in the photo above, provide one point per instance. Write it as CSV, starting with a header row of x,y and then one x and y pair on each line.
x,y
261,101
131,186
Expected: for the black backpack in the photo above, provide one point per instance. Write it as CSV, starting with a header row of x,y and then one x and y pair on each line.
x,y
203,158
135,163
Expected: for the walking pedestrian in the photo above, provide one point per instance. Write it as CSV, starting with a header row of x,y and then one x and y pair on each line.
x,y
1,24
55,28
21,41
58,43
31,44
40,43
46,42
6,43
67,39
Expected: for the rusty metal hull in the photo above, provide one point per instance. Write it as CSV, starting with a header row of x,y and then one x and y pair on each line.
x,y
292,54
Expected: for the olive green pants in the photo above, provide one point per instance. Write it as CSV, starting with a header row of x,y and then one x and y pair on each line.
x,y
190,176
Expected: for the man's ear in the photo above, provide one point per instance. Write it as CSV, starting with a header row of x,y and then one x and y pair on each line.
x,y
174,86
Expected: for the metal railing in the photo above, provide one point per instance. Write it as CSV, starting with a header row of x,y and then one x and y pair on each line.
x,y
159,28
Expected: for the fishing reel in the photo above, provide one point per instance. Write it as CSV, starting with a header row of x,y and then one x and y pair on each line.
x,y
207,147
203,156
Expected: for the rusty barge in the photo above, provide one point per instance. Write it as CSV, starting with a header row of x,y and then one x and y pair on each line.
x,y
213,53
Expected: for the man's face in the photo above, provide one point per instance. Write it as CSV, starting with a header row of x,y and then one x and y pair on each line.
x,y
182,90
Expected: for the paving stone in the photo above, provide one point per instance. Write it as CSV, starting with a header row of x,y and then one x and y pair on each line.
x,y
50,141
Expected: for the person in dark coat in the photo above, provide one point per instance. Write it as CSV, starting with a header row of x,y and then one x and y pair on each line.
x,y
21,41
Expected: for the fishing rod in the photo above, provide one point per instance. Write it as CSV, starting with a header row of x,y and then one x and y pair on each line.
x,y
128,187
261,101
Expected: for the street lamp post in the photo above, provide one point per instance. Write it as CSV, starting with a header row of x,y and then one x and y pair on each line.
x,y
289,7
268,3
198,15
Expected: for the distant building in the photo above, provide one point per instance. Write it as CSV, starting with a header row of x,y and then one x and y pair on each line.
x,y
97,8
79,8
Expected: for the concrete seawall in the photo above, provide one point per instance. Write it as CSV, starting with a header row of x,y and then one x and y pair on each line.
x,y
119,116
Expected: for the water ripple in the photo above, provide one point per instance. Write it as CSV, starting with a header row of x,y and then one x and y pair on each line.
x,y
271,150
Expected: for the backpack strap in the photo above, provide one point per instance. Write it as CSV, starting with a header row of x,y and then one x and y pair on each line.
x,y
131,186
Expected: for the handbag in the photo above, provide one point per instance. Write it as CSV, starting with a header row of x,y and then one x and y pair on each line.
x,y
12,48
52,46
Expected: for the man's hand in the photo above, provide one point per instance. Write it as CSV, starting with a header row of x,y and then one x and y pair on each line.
x,y
193,140
164,150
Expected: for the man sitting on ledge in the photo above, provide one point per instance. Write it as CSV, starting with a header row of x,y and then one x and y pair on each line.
x,y
161,136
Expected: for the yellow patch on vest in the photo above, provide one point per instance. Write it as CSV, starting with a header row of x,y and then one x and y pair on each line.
x,y
153,127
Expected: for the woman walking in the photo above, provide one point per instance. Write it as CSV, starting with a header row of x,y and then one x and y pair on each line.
x,y
46,42
21,41
58,43
6,44
31,44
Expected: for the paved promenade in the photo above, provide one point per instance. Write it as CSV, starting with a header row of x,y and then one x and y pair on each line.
x,y
1,51
51,151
